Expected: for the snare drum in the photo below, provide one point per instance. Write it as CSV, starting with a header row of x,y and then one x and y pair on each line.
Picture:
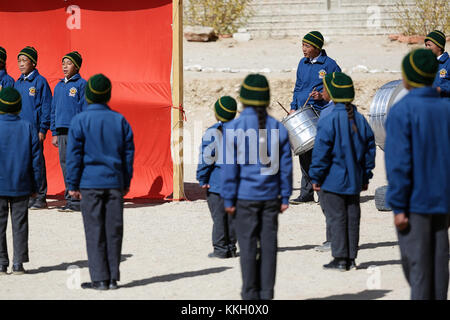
x,y
302,128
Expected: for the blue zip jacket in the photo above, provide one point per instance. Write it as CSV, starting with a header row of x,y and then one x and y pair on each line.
x,y
249,171
100,150
442,79
310,75
5,80
327,109
208,172
417,153
68,100
19,156
36,100
342,160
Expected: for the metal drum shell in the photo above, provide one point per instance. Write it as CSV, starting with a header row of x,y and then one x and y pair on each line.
x,y
384,99
302,129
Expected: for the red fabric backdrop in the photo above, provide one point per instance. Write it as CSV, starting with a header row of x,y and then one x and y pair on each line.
x,y
128,41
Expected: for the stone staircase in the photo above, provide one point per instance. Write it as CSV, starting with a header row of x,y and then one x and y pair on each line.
x,y
282,18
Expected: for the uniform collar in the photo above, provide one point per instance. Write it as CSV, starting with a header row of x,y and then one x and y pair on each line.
x,y
249,111
75,77
424,92
33,74
444,57
98,106
320,59
9,117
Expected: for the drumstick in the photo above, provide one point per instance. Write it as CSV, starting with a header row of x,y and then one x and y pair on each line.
x,y
283,107
309,97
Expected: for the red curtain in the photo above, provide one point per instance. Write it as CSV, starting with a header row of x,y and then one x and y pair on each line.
x,y
128,41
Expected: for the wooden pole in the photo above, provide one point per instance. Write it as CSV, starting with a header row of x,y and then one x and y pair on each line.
x,y
177,98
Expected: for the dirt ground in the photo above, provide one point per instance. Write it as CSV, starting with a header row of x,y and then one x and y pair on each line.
x,y
165,245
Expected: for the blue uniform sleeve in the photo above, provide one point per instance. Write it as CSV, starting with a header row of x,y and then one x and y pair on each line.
x,y
230,170
321,155
74,155
83,101
36,161
46,102
285,167
129,154
398,159
52,115
369,163
206,161
444,82
297,88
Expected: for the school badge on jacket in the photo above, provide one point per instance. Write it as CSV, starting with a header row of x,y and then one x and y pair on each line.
x,y
32,91
443,73
322,73
72,92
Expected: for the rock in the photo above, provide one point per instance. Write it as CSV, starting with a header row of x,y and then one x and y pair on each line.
x,y
242,30
218,89
196,68
360,68
265,70
234,70
375,71
199,34
286,70
223,69
242,36
209,70
416,39
394,37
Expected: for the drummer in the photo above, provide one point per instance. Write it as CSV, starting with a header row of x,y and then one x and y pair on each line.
x,y
435,41
312,68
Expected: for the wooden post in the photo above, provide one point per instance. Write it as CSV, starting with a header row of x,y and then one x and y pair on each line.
x,y
177,98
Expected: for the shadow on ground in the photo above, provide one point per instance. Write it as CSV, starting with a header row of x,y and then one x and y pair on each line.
x,y
366,265
305,247
366,198
363,295
377,245
174,276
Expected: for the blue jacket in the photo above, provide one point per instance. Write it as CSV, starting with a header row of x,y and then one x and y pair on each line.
x,y
342,160
442,79
19,155
100,150
245,174
5,79
68,100
36,100
310,75
417,153
208,172
327,109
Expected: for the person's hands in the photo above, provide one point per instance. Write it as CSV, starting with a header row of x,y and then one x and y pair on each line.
x,y
316,187
230,210
401,221
55,141
284,208
438,89
206,186
316,95
75,194
365,187
41,137
292,111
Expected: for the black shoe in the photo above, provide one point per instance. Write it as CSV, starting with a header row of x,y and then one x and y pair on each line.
x,y
301,199
214,255
232,254
336,264
351,264
69,208
31,201
3,270
38,205
96,285
18,269
113,285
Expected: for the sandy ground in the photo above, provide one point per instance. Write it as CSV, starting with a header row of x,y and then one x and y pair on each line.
x,y
165,245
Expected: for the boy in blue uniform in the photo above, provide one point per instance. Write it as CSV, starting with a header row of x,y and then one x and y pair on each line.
x,y
36,104
257,184
5,79
310,72
68,100
417,153
100,155
435,41
342,163
209,177
19,177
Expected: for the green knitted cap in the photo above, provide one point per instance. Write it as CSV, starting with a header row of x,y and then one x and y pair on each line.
x,y
10,101
419,68
2,55
339,86
75,57
314,38
29,52
437,37
255,91
225,108
98,89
